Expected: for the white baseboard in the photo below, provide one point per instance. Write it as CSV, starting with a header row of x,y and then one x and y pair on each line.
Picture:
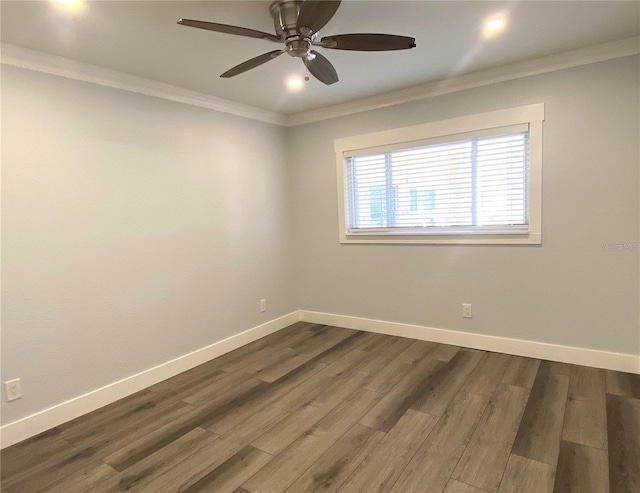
x,y
565,354
29,426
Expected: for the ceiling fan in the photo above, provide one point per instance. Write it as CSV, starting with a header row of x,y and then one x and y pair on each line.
x,y
297,24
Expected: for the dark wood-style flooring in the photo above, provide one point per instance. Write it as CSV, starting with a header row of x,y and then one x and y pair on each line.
x,y
319,408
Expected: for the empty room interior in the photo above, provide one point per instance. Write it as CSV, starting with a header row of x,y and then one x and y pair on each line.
x,y
357,246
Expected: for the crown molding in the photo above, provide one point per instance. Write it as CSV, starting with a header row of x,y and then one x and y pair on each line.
x,y
18,56
72,69
583,56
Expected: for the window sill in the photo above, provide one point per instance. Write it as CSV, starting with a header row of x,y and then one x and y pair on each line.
x,y
443,239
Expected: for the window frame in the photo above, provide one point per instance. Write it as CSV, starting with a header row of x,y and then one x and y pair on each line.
x,y
531,115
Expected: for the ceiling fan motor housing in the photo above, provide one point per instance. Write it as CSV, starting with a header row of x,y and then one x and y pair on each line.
x,y
285,17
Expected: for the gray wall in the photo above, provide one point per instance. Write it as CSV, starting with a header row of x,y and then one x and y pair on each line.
x,y
134,230
568,291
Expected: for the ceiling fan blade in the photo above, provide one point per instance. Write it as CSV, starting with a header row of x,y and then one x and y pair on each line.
x,y
224,28
315,14
321,68
252,63
367,42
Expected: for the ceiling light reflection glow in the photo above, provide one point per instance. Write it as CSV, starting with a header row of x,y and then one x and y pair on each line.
x,y
295,83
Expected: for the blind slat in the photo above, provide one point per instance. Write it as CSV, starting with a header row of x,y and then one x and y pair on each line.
x,y
482,181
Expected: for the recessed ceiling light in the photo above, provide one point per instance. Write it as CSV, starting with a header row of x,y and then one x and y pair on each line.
x,y
295,83
494,24
70,5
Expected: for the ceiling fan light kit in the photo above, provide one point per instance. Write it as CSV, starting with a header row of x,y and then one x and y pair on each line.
x,y
297,23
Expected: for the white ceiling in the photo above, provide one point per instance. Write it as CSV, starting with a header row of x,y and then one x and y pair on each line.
x,y
142,38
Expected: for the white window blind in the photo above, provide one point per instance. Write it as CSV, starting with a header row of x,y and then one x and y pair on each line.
x,y
476,182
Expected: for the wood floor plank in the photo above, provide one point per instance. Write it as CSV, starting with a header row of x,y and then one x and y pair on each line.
x,y
304,394
232,473
274,360
262,422
391,373
524,475
337,351
540,430
485,457
246,354
337,463
120,435
249,359
268,344
585,419
349,362
377,342
323,342
235,410
119,415
128,454
201,460
398,400
581,469
276,440
313,327
285,337
416,352
87,479
382,467
437,457
443,385
217,388
389,376
306,337
444,352
586,381
626,384
25,458
378,359
521,371
239,407
280,438
159,463
51,470
31,445
486,376
623,430
281,472
190,384
125,456
454,486
199,373
283,367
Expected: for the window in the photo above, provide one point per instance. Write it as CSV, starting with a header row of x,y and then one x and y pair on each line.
x,y
474,179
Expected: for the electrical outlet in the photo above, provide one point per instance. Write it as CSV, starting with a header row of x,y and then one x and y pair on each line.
x,y
466,310
263,305
13,389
